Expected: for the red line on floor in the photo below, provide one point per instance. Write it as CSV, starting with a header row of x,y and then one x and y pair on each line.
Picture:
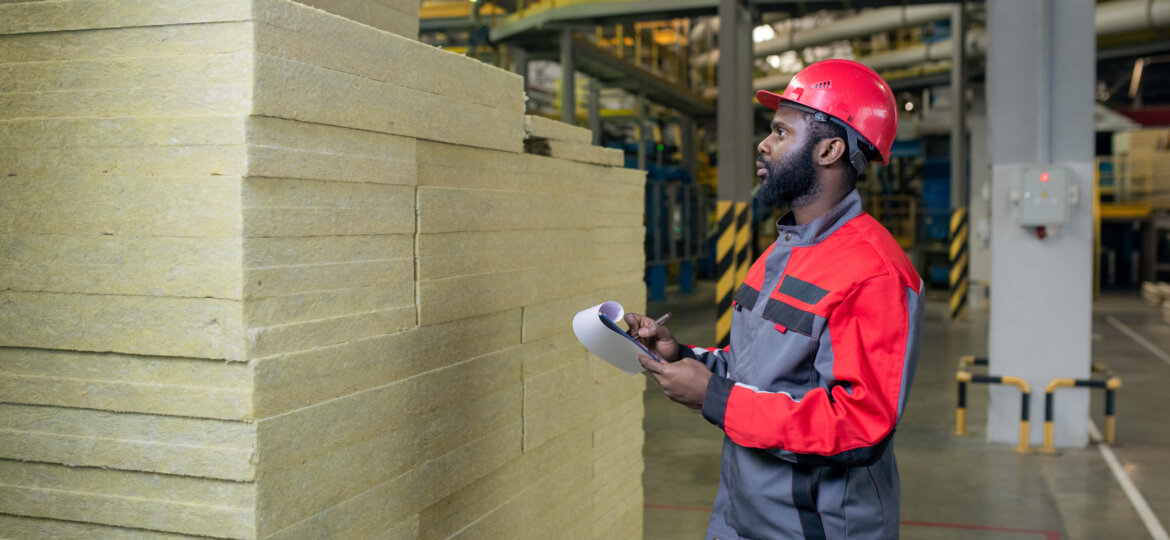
x,y
1048,535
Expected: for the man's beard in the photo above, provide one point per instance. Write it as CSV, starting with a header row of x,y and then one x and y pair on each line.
x,y
793,180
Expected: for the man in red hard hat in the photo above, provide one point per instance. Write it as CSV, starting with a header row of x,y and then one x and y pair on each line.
x,y
824,335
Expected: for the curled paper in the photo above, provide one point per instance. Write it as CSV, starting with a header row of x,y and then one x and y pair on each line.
x,y
596,328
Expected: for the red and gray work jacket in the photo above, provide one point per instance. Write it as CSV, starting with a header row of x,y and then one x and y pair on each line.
x,y
825,335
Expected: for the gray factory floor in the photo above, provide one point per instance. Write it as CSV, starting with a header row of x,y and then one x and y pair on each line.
x,y
958,487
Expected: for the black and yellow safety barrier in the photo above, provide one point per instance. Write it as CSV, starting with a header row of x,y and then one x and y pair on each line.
x,y
725,270
743,237
965,377
971,360
1110,385
958,264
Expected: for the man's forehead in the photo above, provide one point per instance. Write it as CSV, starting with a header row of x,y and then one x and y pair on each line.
x,y
789,116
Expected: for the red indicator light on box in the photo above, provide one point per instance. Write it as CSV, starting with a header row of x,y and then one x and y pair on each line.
x,y
1044,177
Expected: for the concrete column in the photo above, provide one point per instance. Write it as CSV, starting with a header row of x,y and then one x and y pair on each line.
x,y
689,150
641,118
595,110
959,106
734,110
1040,78
979,215
568,79
520,64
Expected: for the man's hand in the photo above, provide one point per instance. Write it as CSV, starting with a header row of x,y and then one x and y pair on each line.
x,y
684,381
653,336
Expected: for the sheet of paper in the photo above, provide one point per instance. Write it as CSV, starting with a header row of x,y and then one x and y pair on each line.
x,y
596,328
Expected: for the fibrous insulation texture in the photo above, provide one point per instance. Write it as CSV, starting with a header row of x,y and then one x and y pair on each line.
x,y
273,270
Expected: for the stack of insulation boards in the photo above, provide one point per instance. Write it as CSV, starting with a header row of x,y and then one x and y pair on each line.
x,y
266,272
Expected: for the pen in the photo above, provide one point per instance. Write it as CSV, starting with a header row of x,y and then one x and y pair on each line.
x,y
662,319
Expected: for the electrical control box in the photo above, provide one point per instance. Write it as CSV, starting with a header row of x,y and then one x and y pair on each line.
x,y
1043,195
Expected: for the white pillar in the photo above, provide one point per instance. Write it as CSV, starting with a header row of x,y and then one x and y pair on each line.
x,y
1040,76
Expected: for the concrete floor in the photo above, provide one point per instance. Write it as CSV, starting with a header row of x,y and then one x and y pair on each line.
x,y
955,487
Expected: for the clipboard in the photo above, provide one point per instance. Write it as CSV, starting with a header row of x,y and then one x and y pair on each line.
x,y
596,328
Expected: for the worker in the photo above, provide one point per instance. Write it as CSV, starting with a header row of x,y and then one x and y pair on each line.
x,y
825,330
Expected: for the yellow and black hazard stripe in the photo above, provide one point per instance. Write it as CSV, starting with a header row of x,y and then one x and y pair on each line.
x,y
725,270
732,249
1110,385
743,237
958,264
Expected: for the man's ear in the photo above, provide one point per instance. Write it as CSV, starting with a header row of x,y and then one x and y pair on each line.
x,y
829,150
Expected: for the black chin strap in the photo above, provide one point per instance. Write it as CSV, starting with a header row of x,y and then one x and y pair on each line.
x,y
853,142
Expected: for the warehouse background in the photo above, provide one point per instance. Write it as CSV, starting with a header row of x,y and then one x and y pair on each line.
x,y
304,269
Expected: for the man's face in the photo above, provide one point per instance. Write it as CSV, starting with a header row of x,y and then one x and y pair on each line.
x,y
785,162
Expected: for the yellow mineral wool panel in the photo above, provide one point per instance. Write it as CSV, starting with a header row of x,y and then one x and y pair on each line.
x,y
291,193
613,435
193,327
460,509
373,510
626,522
444,300
156,502
586,153
570,413
298,33
492,378
127,265
297,91
202,70
36,17
117,395
201,100
67,133
127,42
101,367
475,252
287,207
309,306
553,352
274,251
553,316
553,386
275,281
288,149
491,210
93,162
369,363
395,17
299,336
95,204
28,528
134,442
544,509
539,127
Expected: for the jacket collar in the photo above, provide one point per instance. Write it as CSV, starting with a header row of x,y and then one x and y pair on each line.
x,y
821,228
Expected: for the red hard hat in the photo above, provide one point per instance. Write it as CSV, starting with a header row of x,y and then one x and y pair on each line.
x,y
848,91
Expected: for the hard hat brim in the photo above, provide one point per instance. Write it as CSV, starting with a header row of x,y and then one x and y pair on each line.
x,y
768,99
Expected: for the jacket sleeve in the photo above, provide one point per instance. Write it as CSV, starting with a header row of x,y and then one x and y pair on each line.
x,y
714,359
868,366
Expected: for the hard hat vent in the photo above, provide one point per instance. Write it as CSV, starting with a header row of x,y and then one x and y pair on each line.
x,y
822,85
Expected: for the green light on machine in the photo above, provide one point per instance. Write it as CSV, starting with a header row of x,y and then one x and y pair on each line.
x,y
661,148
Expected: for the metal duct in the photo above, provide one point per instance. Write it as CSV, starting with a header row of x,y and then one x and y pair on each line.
x,y
1111,18
866,22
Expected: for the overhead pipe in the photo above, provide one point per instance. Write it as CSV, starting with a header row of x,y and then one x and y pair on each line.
x,y
866,22
1112,18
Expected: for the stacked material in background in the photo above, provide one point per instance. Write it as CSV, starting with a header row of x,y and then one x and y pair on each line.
x,y
266,272
1142,166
